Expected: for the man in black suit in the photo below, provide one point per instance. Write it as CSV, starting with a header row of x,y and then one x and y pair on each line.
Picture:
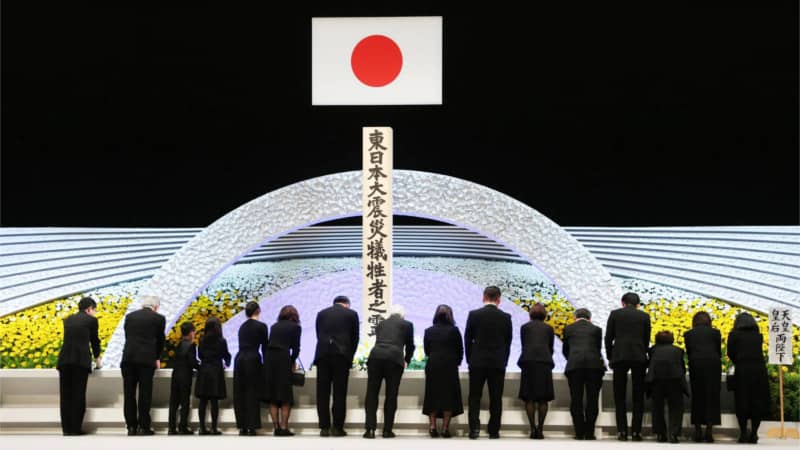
x,y
75,364
581,345
387,361
144,341
627,340
337,339
487,344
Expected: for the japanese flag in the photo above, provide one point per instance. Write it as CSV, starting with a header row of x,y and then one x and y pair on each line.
x,y
376,61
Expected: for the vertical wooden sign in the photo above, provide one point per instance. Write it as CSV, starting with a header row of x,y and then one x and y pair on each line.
x,y
376,206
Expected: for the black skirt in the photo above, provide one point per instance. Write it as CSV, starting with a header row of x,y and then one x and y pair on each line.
x,y
278,377
248,386
536,382
751,394
442,388
704,379
210,382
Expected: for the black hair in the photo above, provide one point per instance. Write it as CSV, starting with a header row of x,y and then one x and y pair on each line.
x,y
745,321
538,312
86,303
443,314
186,328
701,319
665,337
630,299
341,299
251,308
492,293
213,328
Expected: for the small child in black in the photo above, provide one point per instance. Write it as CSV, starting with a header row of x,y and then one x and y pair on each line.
x,y
185,363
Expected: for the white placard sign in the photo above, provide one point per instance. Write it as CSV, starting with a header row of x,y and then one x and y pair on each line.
x,y
376,206
780,336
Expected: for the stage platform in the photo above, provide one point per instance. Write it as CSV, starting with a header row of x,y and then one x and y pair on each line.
x,y
29,405
351,442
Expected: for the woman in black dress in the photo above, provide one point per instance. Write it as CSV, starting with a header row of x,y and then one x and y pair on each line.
x,y
279,362
536,362
210,385
444,348
248,371
751,387
704,349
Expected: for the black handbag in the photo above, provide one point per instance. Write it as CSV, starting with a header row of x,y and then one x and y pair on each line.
x,y
299,374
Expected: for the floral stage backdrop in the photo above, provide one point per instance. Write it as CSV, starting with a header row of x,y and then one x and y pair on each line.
x,y
32,338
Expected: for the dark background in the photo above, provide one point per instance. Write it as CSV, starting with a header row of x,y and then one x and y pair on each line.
x,y
600,114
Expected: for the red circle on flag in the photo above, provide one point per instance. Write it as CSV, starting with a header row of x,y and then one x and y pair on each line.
x,y
376,60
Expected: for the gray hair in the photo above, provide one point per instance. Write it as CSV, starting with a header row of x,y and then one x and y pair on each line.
x,y
397,310
149,301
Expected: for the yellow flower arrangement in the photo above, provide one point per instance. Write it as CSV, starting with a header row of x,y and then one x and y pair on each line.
x,y
33,337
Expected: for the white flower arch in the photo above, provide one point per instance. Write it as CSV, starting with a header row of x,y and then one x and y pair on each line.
x,y
521,228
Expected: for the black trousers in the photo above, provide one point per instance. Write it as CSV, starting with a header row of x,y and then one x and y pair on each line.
x,y
588,382
332,370
72,397
179,395
637,370
137,414
672,392
495,379
377,371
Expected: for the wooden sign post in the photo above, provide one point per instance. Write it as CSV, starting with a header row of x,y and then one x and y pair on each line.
x,y
780,348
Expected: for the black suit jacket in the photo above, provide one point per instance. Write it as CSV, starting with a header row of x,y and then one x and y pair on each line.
x,y
337,332
487,337
627,335
285,334
703,343
666,363
144,337
443,342
537,343
185,362
80,331
745,347
581,346
391,335
253,337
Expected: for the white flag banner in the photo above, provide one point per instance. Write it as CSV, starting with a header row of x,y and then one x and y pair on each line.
x,y
376,61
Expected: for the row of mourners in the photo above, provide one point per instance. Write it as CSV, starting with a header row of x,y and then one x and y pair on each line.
x,y
265,369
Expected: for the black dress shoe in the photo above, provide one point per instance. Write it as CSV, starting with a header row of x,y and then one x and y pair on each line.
x,y
590,437
243,432
473,434
324,432
433,432
446,433
708,437
186,431
636,437
578,437
753,437
494,435
387,434
145,432
369,434
743,438
215,432
622,436
660,437
131,431
172,432
204,432
286,432
673,438
338,432
539,434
